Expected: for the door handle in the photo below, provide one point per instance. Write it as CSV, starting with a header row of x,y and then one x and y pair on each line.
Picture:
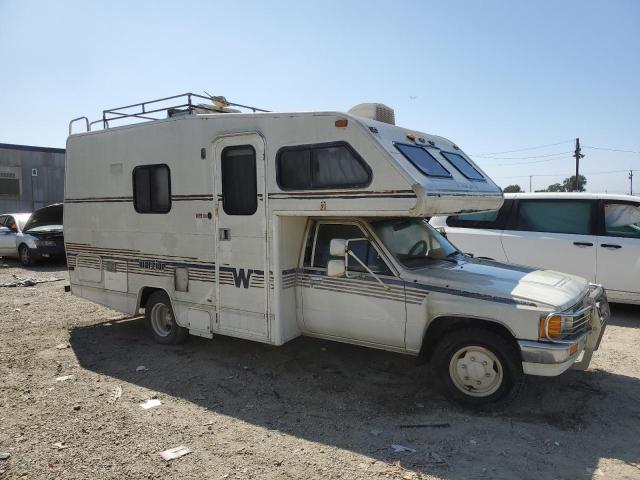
x,y
583,244
610,245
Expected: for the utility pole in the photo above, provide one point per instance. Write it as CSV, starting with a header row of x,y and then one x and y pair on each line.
x,y
630,182
577,155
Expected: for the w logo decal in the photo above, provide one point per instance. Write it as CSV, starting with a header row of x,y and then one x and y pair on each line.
x,y
242,277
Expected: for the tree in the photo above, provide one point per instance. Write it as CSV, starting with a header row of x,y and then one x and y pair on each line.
x,y
570,183
567,185
512,189
556,187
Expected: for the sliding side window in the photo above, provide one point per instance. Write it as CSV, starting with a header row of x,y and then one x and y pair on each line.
x,y
152,188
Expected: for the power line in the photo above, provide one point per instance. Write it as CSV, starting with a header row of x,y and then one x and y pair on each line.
x,y
522,149
611,149
523,158
525,163
562,174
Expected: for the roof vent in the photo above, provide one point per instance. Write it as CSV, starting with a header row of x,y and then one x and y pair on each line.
x,y
374,111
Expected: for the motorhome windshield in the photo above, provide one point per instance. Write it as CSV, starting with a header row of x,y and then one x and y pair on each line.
x,y
414,242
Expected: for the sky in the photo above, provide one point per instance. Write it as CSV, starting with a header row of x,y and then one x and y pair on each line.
x,y
492,76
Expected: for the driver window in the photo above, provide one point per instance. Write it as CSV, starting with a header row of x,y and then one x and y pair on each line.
x,y
363,249
11,223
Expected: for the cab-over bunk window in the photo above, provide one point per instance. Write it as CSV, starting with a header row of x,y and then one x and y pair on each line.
x,y
463,166
322,166
422,160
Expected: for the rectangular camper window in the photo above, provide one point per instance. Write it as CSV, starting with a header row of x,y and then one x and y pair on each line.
x,y
463,166
315,167
423,160
239,182
152,188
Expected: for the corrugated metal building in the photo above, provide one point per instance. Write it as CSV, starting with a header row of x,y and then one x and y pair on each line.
x,y
30,177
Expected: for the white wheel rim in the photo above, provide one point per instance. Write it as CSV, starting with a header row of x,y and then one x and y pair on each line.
x,y
476,371
161,319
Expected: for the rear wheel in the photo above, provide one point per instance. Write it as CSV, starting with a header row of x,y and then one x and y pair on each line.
x,y
477,367
26,259
162,321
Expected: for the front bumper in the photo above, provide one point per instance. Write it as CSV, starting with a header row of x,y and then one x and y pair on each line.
x,y
550,359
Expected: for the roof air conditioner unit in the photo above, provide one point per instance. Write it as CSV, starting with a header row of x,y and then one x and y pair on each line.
x,y
374,111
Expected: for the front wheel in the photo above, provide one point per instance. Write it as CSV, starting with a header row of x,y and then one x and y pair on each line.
x,y
26,258
477,367
162,321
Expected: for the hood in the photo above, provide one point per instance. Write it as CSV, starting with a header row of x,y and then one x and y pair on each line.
x,y
51,215
546,287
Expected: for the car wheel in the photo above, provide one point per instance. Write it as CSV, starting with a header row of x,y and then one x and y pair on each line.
x,y
477,367
162,321
26,259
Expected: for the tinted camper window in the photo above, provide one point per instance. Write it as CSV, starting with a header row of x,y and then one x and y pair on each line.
x,y
239,183
463,166
313,167
423,160
152,189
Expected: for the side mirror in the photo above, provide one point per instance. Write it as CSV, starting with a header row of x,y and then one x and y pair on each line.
x,y
338,247
336,268
442,231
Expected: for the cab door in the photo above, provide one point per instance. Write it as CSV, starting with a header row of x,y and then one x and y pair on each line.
x,y
619,250
241,244
553,234
357,308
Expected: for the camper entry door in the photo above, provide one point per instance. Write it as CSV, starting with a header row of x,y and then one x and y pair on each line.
x,y
241,240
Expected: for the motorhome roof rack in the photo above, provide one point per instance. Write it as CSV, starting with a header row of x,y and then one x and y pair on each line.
x,y
176,105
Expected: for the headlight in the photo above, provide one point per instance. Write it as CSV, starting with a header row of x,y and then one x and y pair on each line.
x,y
565,325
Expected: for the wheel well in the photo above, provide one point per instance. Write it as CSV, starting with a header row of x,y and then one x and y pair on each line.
x,y
443,325
144,295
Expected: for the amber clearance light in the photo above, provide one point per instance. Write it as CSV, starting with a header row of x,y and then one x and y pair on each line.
x,y
343,122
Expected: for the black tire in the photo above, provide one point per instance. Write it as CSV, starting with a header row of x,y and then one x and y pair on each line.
x,y
506,368
25,256
158,307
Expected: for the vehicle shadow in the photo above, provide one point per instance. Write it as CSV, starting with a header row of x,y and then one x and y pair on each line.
x,y
361,400
58,265
623,315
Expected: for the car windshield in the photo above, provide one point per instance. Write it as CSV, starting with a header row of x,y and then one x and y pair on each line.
x,y
414,242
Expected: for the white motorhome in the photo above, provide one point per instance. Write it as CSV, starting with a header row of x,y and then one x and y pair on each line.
x,y
268,226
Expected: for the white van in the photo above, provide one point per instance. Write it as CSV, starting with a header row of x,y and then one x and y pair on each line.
x,y
593,235
268,226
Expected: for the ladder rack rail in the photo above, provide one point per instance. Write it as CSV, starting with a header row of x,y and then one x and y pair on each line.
x,y
178,103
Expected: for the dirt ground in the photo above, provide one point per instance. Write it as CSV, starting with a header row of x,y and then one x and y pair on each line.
x,y
311,409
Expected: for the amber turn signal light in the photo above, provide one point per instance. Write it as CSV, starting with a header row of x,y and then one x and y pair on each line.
x,y
342,123
555,327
